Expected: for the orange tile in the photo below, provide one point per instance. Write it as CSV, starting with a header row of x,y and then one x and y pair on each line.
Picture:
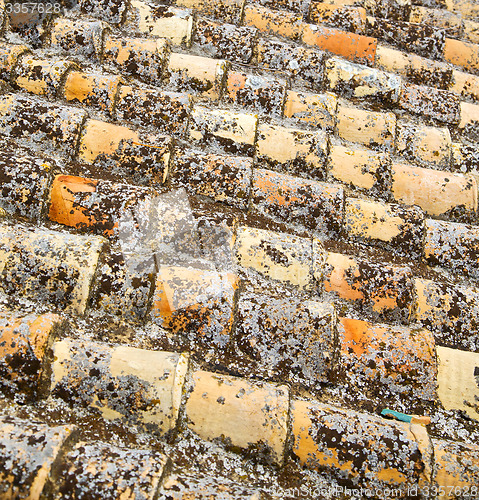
x,y
23,342
9,55
462,54
391,359
342,43
276,22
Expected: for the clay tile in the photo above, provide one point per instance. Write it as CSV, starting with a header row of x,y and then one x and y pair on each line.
x,y
25,177
92,89
23,343
109,472
456,470
315,205
280,23
379,290
138,386
49,267
239,413
9,55
463,54
221,177
142,57
388,360
286,339
357,48
264,95
41,76
229,11
314,110
83,37
171,23
348,18
198,304
29,452
22,116
111,11
363,450
167,112
226,41
437,193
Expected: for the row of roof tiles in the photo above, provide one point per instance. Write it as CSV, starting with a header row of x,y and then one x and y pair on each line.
x,y
120,382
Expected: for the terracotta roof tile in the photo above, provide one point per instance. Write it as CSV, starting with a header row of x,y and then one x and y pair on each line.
x,y
30,450
245,184
49,267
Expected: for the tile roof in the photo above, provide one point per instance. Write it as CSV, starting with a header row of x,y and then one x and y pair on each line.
x,y
233,232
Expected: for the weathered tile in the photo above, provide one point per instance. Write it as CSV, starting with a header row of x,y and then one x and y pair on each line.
x,y
303,63
437,193
397,10
239,413
49,267
469,124
232,131
196,74
9,56
467,8
142,57
440,105
24,180
471,31
32,24
388,359
449,312
423,71
111,11
124,283
364,450
22,116
428,146
348,18
357,81
275,22
167,112
83,37
299,6
29,450
23,343
463,54
227,10
278,256
41,76
92,89
226,41
224,178
184,484
464,157
372,128
197,304
465,84
456,468
392,60
383,292
457,382
440,18
357,48
315,205
171,23
286,339
264,95
296,151
391,226
93,205
138,386
315,110
427,41
360,168
102,470
119,148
